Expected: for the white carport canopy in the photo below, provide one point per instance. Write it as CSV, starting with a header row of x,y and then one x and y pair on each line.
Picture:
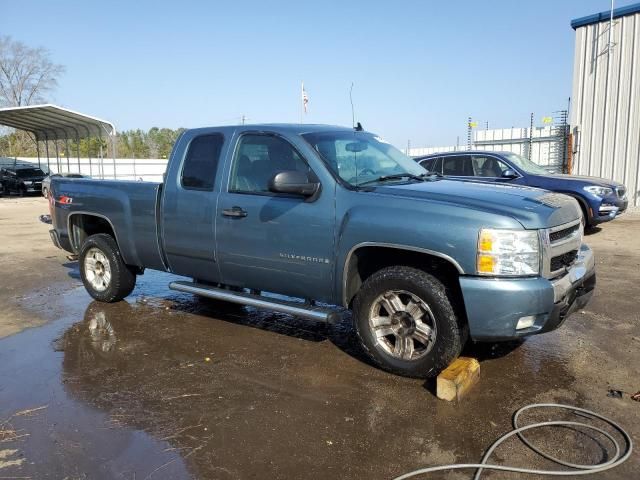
x,y
52,123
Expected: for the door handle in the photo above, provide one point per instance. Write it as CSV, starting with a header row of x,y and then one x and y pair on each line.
x,y
235,212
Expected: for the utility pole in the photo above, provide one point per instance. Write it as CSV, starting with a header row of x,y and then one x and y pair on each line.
x,y
530,136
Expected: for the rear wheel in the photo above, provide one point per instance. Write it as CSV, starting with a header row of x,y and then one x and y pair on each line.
x,y
103,271
406,322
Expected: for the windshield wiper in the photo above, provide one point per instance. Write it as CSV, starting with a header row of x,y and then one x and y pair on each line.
x,y
431,174
398,176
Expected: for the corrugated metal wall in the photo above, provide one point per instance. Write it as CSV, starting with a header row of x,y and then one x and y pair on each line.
x,y
605,113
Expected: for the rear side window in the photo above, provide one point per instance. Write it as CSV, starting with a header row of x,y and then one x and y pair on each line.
x,y
201,162
459,165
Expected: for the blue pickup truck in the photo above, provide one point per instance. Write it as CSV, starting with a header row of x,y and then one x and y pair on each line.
x,y
333,216
601,200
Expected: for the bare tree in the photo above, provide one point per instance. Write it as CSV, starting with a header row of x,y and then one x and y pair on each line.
x,y
27,74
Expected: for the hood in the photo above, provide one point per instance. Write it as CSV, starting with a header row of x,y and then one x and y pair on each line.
x,y
584,180
532,207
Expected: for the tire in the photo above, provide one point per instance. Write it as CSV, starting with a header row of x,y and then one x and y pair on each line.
x,y
100,256
421,352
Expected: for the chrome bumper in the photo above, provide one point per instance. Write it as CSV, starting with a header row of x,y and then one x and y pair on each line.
x,y
583,267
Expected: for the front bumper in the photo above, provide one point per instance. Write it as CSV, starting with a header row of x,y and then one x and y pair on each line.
x,y
608,209
495,305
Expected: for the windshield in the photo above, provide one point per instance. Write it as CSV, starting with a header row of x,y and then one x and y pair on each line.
x,y
525,164
361,157
29,172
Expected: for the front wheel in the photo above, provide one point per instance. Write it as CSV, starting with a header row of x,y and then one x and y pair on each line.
x,y
103,271
406,322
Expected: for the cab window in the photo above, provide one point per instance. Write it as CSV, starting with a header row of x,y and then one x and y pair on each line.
x,y
201,162
259,158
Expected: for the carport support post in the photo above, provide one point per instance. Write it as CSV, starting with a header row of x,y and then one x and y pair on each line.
x,y
78,151
101,153
46,146
113,155
89,154
66,149
55,142
38,151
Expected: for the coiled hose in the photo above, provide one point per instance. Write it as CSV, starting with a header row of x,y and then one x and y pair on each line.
x,y
575,469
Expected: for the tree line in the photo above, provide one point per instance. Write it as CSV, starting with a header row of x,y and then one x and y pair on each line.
x,y
153,143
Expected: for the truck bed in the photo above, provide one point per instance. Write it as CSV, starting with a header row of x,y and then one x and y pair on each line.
x,y
129,206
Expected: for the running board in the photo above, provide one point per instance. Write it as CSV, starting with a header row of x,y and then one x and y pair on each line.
x,y
318,314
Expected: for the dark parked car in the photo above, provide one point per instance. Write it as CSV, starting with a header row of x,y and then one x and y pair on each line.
x,y
46,183
21,179
601,200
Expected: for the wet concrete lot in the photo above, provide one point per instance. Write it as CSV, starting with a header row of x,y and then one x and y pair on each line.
x,y
167,385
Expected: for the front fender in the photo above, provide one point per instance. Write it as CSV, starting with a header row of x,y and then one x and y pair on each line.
x,y
445,231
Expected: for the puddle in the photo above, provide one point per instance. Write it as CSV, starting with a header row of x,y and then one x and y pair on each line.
x,y
63,437
167,385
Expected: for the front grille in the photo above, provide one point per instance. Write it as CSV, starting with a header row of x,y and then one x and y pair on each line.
x,y
564,260
622,191
560,234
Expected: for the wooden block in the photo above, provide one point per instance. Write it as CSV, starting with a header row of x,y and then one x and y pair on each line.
x,y
457,379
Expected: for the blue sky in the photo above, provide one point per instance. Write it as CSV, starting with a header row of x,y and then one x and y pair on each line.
x,y
420,68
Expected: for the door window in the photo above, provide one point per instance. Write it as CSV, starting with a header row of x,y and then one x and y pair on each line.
x,y
457,165
201,162
259,158
487,166
437,165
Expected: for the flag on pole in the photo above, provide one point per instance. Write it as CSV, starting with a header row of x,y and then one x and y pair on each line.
x,y
305,99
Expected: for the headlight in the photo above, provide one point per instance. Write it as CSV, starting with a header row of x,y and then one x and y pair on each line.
x,y
27,182
508,252
599,191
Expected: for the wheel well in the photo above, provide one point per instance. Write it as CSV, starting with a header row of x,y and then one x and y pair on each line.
x,y
366,261
82,226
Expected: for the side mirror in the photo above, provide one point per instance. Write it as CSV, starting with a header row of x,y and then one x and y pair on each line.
x,y
509,173
293,182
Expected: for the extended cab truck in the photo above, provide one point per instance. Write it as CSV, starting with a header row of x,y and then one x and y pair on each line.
x,y
337,216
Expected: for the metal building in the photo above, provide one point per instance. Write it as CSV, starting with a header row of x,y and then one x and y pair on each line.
x,y
605,103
